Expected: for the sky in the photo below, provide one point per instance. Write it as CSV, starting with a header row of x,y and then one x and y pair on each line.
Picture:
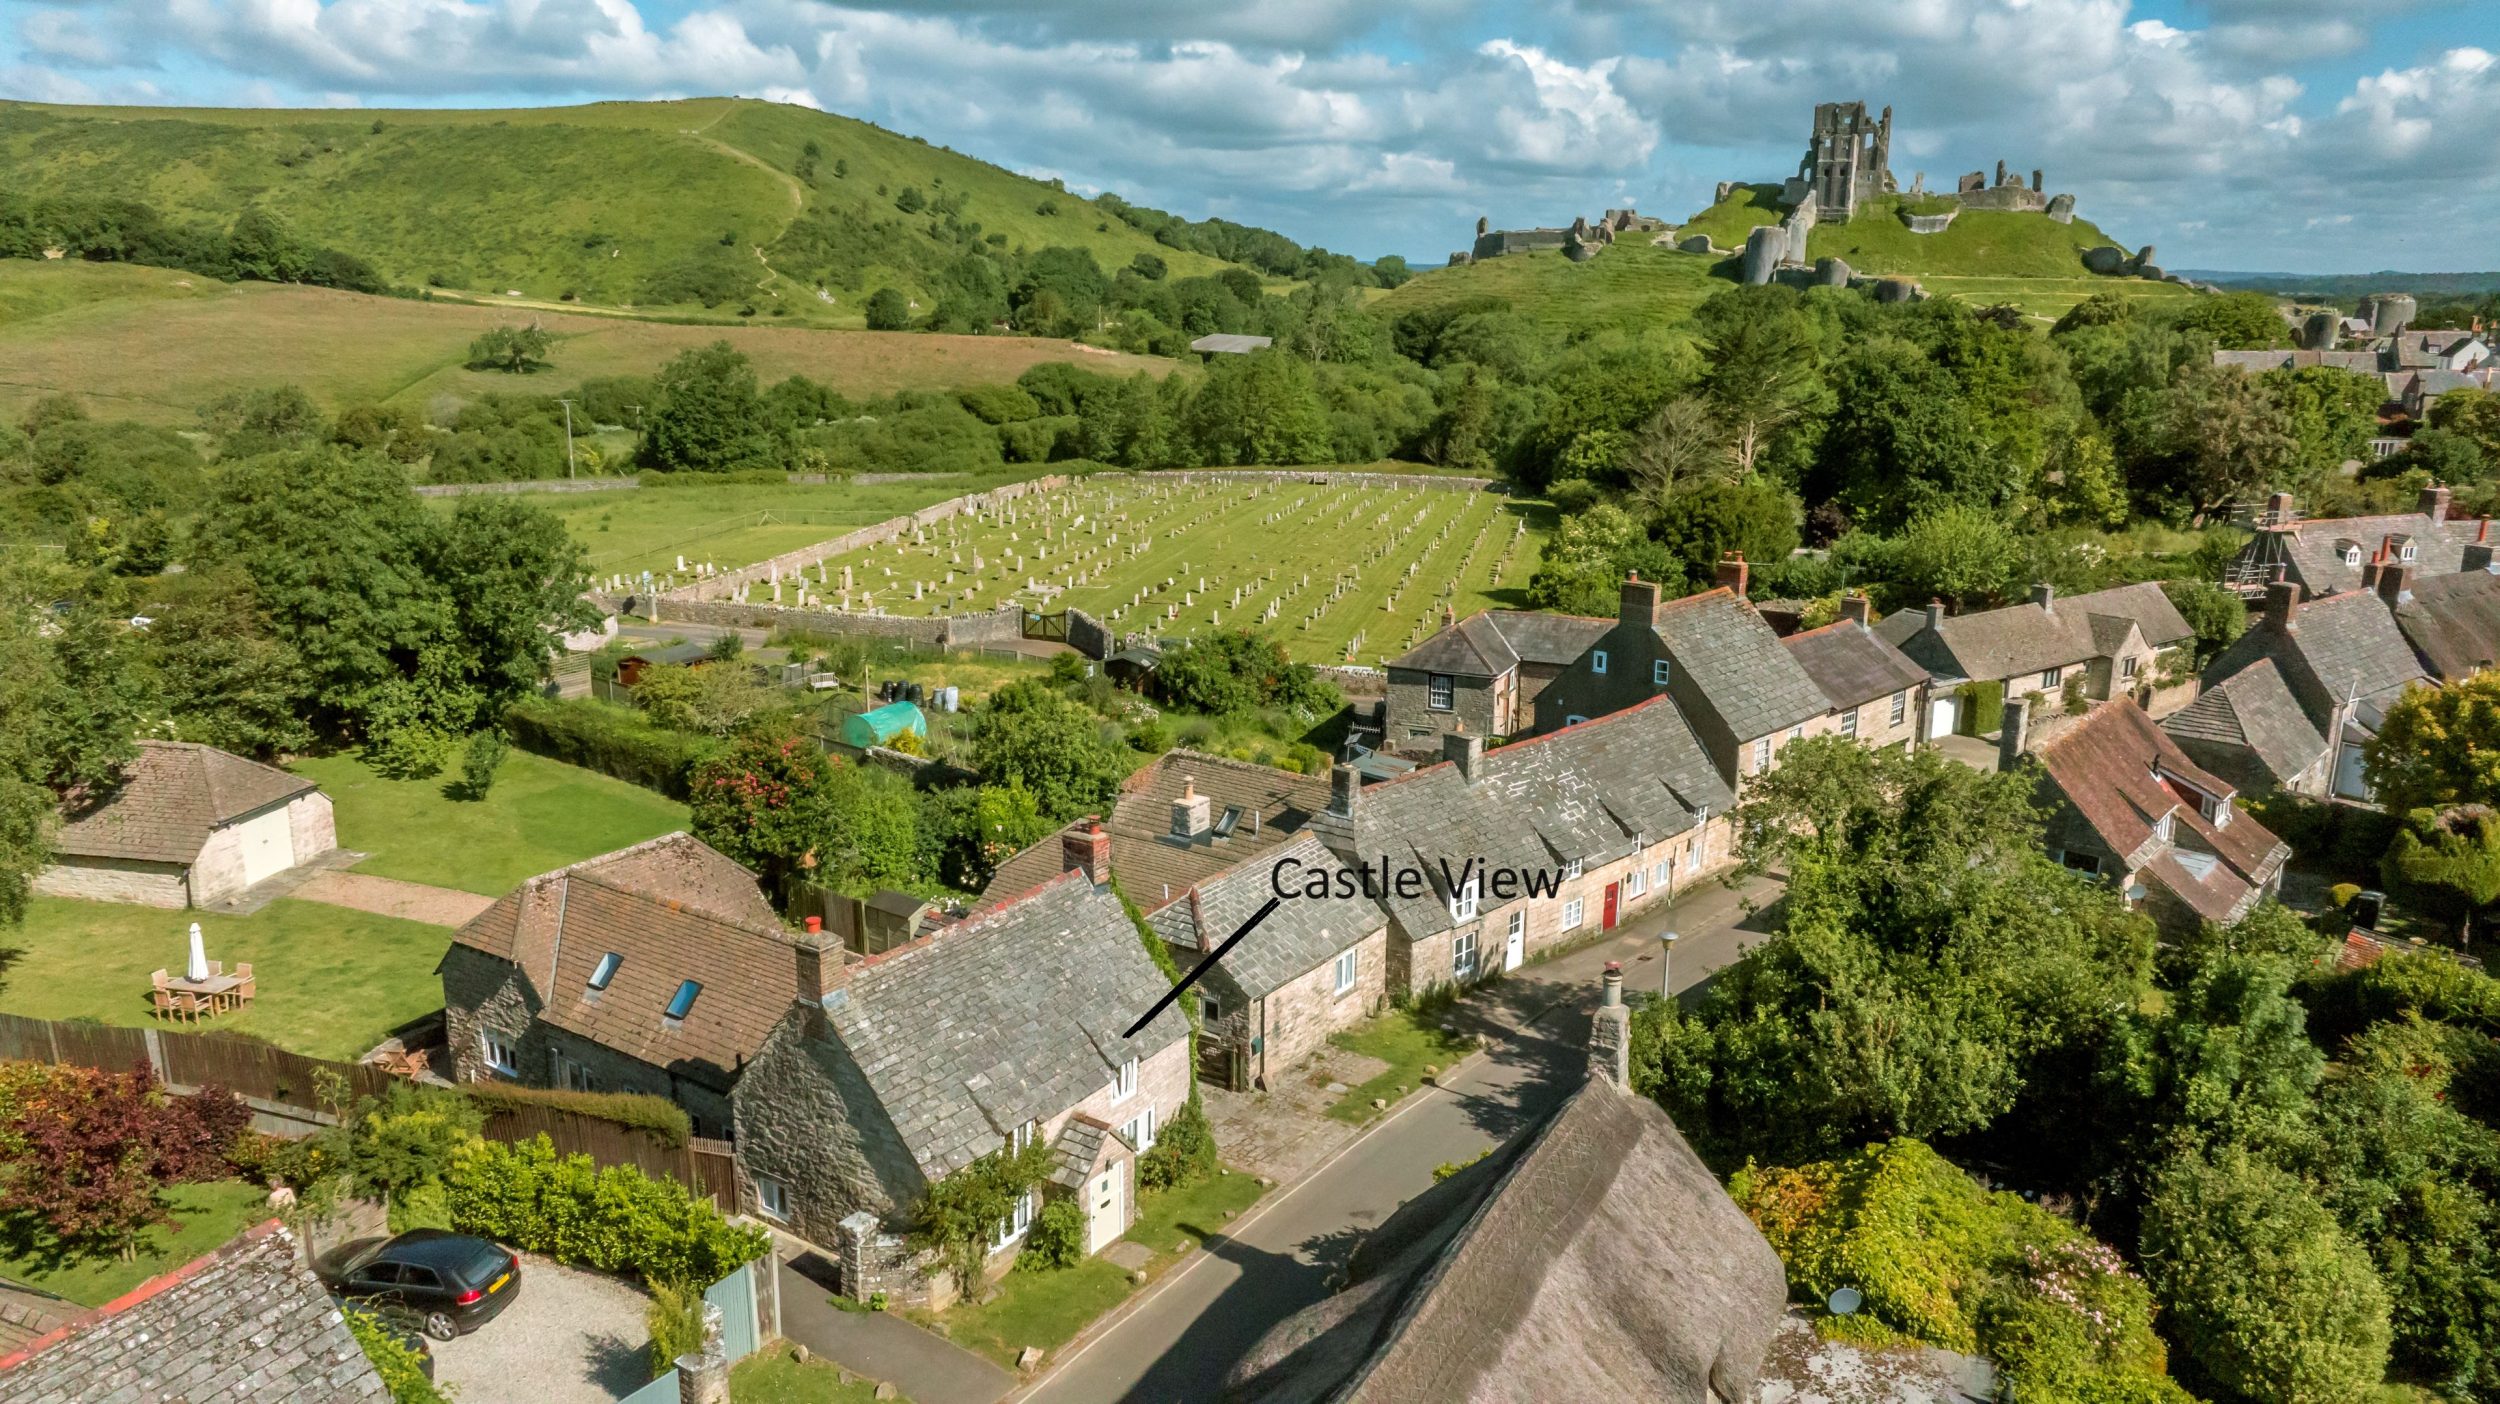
x,y
2280,135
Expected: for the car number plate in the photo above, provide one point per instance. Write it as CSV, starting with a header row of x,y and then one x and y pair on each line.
x,y
497,1284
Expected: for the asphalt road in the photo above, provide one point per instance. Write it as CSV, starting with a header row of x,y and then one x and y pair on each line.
x,y
1179,1343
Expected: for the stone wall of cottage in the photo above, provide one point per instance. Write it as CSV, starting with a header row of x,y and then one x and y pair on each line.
x,y
1877,729
1162,1083
116,880
218,872
1296,1018
1413,720
312,828
483,993
611,1071
807,1119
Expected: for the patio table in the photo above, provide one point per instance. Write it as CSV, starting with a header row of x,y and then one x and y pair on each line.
x,y
218,990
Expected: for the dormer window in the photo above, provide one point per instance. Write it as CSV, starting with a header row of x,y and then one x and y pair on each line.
x,y
1571,869
1022,1137
2161,830
2352,557
2407,552
1124,1082
683,1001
605,970
1463,902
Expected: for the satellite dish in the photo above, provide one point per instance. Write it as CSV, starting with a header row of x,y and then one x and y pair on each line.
x,y
1845,1301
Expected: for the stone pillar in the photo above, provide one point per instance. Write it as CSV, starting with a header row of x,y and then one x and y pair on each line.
x,y
855,1238
703,1374
1610,1035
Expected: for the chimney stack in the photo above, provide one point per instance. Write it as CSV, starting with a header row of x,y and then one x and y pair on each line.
x,y
1610,1034
1087,850
2282,605
2395,583
1855,609
1345,790
1935,616
2017,726
2435,504
2477,557
1190,813
2369,573
2044,594
1462,750
2278,509
821,970
1640,600
1734,573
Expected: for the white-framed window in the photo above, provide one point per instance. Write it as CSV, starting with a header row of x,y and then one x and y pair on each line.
x,y
772,1199
1345,971
1571,869
1124,1082
1796,733
1849,722
500,1053
1440,692
1701,840
2080,862
1900,707
1633,883
1597,660
569,1075
2407,551
1574,911
2049,676
1022,1137
1463,902
1660,870
2352,556
1014,1225
1140,1130
1762,755
1658,672
1463,957
2126,667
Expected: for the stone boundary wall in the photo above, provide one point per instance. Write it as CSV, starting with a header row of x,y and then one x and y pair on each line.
x,y
1354,681
935,630
556,485
791,562
1088,636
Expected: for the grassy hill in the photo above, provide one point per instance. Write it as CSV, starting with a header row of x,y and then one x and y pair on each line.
x,y
1629,284
156,344
600,204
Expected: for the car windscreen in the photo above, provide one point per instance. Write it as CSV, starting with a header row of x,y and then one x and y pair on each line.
x,y
478,1263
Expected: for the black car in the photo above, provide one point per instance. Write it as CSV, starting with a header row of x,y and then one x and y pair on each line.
x,y
446,1283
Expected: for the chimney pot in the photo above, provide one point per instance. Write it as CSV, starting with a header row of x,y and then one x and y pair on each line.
x,y
1612,992
1087,850
815,925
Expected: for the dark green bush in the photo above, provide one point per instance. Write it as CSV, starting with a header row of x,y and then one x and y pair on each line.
x,y
392,1359
609,740
657,1115
614,1220
1056,1239
1184,1151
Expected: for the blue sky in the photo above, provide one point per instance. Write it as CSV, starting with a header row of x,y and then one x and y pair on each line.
x,y
2298,135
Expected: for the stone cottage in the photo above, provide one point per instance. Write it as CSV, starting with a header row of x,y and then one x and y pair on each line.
x,y
189,826
1178,821
2127,805
884,1075
2327,555
2124,642
1317,965
1876,693
1743,695
1482,674
658,968
1607,816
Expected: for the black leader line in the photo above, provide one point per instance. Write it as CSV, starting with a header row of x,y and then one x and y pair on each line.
x,y
1203,966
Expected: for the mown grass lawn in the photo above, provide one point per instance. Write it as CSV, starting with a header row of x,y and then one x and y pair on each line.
x,y
772,1377
1406,1040
201,1218
1048,1309
331,982
540,814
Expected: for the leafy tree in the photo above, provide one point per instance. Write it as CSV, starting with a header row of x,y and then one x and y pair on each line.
x,y
513,350
2444,455
2332,414
910,201
1263,408
1703,523
247,422
888,310
1006,820
514,580
1956,553
1902,440
394,431
479,761
223,675
2218,616
2240,321
2472,413
2227,438
1032,736
2449,860
1240,670
2270,1298
872,833
2438,746
712,701
763,801
2228,1064
710,418
958,1216
1760,367
1587,557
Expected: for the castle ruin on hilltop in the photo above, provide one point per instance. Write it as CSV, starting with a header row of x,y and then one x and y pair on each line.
x,y
1847,160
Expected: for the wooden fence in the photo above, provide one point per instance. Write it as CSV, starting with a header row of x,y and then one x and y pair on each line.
x,y
282,1084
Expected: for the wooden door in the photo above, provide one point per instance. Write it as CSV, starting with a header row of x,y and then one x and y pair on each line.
x,y
1614,903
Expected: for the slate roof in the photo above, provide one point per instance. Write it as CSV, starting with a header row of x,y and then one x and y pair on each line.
x,y
2120,776
676,910
247,1322
1491,642
1013,1015
1302,935
1737,664
1597,1258
2453,622
2248,728
2315,548
174,795
1078,1150
2342,647
1586,791
2030,638
2359,362
1275,805
1853,664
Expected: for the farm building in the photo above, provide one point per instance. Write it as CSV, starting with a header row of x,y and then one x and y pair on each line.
x,y
190,825
1230,344
879,726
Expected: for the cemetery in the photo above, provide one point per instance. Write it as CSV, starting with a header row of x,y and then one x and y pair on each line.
x,y
1339,569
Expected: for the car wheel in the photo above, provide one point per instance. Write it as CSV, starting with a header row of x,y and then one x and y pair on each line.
x,y
440,1326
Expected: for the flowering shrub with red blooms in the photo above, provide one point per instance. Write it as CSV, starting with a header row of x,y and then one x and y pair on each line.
x,y
91,1149
763,800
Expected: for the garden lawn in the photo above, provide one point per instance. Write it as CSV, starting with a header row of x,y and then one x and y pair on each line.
x,y
331,982
540,815
203,1218
1048,1309
772,1377
1406,1040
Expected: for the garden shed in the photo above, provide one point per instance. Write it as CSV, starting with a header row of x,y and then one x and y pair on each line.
x,y
880,726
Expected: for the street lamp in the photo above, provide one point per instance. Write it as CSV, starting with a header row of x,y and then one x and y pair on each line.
x,y
1666,969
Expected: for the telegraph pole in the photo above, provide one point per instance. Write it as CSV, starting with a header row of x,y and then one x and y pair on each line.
x,y
568,435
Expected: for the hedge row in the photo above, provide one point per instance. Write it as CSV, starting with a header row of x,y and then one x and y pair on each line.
x,y
657,1115
610,740
614,1220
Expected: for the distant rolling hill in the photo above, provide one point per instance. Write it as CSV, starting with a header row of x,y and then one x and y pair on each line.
x,y
610,204
2349,287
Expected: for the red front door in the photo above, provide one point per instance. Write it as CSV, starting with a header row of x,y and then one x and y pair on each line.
x,y
1614,895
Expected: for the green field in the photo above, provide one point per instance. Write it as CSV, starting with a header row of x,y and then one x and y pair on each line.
x,y
156,344
332,982
1629,284
199,1220
539,816
1339,574
588,201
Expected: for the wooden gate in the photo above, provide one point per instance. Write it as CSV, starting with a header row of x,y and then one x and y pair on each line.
x,y
1046,626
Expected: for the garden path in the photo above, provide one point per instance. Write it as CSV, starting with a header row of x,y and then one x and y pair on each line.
x,y
409,901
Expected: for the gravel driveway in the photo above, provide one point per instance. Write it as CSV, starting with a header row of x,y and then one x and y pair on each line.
x,y
574,1337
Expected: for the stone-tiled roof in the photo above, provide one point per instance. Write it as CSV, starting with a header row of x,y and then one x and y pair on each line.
x,y
175,794
2248,728
675,909
2453,622
1013,1015
1302,935
1587,791
1736,662
1853,664
248,1322
2343,647
2032,638
2358,362
2121,777
1078,1150
2327,554
1152,865
1597,1258
1491,642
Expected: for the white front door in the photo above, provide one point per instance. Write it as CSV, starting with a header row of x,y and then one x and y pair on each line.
x,y
1940,717
268,846
1515,944
1106,1219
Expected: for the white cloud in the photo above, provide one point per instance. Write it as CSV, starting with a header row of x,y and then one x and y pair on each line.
x,y
63,37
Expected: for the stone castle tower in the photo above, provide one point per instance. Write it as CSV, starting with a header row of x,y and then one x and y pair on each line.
x,y
1848,160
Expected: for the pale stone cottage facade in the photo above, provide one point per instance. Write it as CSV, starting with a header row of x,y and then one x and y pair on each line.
x,y
189,826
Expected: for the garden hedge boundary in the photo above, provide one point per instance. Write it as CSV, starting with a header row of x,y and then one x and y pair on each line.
x,y
610,740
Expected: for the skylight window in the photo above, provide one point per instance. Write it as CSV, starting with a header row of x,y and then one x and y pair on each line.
x,y
606,970
683,1000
